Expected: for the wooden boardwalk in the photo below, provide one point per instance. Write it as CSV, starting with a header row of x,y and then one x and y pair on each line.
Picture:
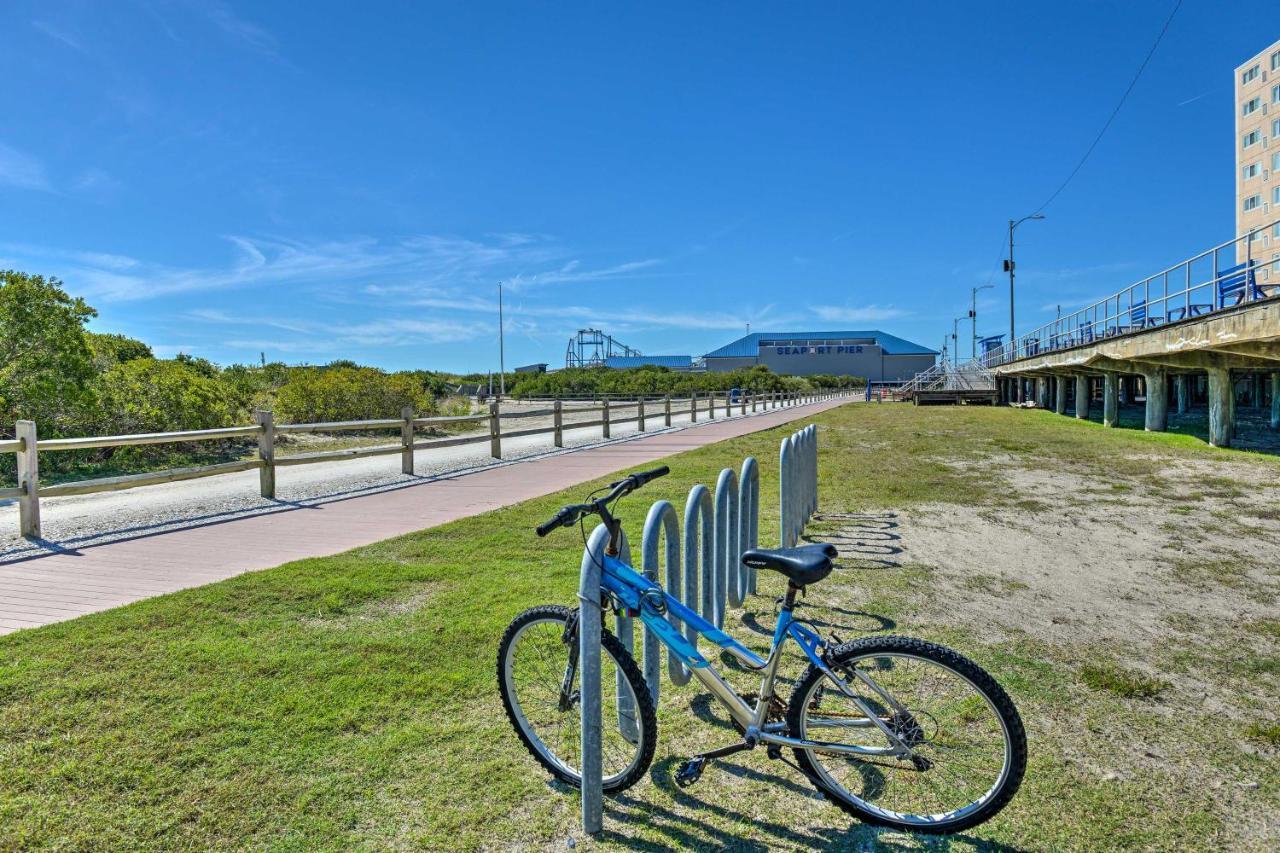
x,y
58,586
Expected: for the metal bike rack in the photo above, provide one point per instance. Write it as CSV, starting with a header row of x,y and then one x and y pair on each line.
x,y
714,535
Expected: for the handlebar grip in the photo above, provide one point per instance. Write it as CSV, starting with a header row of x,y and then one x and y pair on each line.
x,y
555,521
645,476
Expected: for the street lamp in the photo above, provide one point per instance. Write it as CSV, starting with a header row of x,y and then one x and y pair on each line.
x,y
1008,266
973,316
502,359
955,333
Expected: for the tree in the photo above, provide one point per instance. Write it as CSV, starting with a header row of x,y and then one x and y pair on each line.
x,y
111,349
45,362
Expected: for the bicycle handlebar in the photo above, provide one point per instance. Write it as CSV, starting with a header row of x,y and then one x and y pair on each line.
x,y
570,514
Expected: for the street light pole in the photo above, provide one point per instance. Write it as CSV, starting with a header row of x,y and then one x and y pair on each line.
x,y
1009,266
973,317
502,356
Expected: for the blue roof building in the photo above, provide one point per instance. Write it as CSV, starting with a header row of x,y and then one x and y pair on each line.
x,y
675,362
872,354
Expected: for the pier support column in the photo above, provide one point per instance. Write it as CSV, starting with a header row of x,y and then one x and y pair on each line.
x,y
1221,406
1275,400
1157,414
1110,399
1060,394
1180,389
1124,389
1082,396
1022,389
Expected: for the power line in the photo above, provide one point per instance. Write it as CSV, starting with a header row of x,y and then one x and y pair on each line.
x,y
1116,111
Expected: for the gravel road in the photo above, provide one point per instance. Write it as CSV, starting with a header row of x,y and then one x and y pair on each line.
x,y
83,520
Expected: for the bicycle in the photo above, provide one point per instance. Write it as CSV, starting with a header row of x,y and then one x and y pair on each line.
x,y
894,758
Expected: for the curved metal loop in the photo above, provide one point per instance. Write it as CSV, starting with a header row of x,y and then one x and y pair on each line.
x,y
589,625
624,627
662,523
728,547
748,523
698,536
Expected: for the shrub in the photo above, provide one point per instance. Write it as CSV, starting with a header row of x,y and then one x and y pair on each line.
x,y
318,394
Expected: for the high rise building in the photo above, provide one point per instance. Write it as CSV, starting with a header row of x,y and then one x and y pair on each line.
x,y
1258,155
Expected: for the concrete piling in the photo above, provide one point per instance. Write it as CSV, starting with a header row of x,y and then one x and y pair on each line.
x,y
1082,396
1221,406
1157,413
1060,394
1180,389
1110,399
1275,400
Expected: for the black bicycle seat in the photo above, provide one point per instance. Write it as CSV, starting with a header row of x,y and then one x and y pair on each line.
x,y
802,566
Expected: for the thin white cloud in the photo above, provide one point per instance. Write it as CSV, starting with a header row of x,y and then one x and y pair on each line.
x,y
22,170
416,263
57,34
239,29
857,314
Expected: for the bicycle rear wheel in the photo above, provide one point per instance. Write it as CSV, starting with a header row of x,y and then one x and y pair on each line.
x,y
534,656
969,748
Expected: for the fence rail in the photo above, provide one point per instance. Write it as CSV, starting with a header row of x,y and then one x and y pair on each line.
x,y
1220,279
27,446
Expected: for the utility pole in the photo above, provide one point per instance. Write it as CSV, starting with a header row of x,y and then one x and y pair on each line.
x,y
502,357
1008,265
973,317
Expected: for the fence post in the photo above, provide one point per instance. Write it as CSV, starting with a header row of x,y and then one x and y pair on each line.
x,y
605,413
666,409
693,407
711,406
640,415
495,431
28,479
742,398
557,414
266,453
406,440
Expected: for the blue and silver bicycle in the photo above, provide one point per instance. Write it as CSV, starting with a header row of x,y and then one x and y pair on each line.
x,y
896,731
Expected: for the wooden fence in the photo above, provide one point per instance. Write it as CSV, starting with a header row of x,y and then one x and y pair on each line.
x,y
27,446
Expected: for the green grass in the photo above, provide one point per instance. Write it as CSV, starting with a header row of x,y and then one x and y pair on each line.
x,y
349,702
1122,681
1268,733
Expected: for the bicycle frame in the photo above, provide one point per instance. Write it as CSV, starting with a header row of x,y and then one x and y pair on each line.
x,y
641,595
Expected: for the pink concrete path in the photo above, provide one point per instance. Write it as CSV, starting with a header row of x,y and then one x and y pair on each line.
x,y
64,585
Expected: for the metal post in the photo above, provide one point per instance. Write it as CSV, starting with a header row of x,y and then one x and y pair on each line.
x,y
661,522
786,454
742,398
666,409
693,407
495,431
749,518
557,420
406,440
699,540
1012,339
266,453
589,627
28,479
640,414
711,407
728,552
604,411
502,357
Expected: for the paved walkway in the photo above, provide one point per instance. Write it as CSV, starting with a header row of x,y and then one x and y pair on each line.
x,y
71,583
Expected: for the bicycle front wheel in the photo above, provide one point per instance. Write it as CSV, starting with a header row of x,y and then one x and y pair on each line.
x,y
539,680
969,750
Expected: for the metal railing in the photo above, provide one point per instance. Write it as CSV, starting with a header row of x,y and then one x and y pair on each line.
x,y
28,446
971,375
1220,279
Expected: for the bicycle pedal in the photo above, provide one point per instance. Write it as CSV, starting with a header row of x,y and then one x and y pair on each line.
x,y
690,771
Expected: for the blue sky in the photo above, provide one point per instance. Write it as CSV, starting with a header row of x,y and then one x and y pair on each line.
x,y
337,180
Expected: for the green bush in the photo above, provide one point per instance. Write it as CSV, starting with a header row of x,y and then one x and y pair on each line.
x,y
318,394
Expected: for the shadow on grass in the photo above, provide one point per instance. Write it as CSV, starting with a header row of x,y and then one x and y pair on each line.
x,y
691,827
